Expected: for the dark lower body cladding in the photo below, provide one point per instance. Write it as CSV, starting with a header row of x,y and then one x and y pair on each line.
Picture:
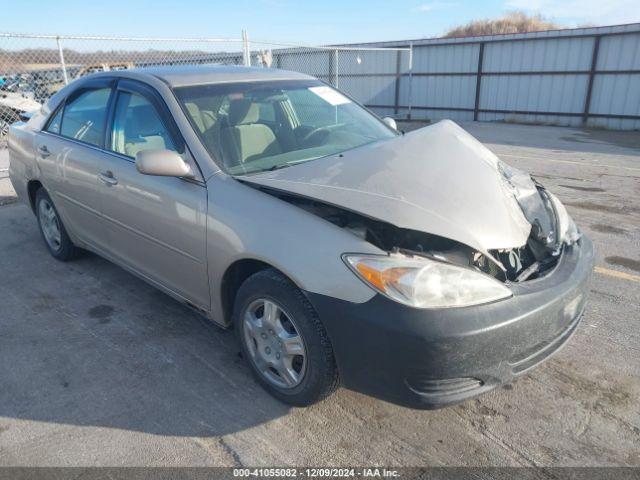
x,y
432,358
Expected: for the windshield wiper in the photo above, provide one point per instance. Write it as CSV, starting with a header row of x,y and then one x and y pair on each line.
x,y
278,166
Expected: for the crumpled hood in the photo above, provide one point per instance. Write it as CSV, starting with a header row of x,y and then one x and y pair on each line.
x,y
438,179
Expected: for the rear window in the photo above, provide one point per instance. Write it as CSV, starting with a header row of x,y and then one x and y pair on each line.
x,y
84,117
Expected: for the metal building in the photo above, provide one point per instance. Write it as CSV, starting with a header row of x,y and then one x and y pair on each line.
x,y
583,76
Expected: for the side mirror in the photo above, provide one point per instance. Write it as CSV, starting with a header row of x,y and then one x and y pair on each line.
x,y
390,122
164,163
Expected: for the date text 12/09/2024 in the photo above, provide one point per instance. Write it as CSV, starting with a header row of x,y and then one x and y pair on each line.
x,y
316,472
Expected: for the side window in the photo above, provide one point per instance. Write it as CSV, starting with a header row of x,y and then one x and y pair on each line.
x,y
137,126
84,117
55,122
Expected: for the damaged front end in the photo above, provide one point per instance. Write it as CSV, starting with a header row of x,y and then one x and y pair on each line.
x,y
551,229
437,194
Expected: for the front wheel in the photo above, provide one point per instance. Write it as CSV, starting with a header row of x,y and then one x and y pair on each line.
x,y
52,229
283,340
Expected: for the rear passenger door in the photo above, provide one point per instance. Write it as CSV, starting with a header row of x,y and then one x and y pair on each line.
x,y
155,225
70,156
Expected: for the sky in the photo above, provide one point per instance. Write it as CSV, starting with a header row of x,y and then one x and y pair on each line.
x,y
306,22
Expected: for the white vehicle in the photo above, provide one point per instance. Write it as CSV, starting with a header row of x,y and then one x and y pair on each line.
x,y
13,105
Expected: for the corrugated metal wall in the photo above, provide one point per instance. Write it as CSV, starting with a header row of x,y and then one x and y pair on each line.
x,y
367,75
587,76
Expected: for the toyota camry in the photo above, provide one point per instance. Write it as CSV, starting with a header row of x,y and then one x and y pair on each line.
x,y
414,267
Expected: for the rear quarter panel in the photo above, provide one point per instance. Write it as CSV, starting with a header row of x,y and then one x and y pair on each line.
x,y
23,164
22,161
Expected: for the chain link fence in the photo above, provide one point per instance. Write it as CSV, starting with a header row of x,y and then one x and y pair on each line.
x,y
34,67
369,75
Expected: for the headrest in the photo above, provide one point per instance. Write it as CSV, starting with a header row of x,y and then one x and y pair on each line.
x,y
196,116
243,111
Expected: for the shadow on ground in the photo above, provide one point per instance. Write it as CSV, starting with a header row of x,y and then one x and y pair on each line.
x,y
86,343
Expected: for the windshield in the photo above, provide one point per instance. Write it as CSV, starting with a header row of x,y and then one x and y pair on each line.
x,y
252,127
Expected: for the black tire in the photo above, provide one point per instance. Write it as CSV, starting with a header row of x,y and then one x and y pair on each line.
x,y
65,250
320,378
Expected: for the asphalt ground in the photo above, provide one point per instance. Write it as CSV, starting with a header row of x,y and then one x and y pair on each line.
x,y
98,368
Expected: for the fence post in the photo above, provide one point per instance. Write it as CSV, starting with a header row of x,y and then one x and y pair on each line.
x,y
396,97
246,52
410,86
62,64
335,73
476,107
592,74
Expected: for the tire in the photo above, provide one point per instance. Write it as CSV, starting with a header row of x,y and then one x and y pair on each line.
x,y
317,373
52,229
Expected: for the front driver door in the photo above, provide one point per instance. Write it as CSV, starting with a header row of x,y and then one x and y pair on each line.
x,y
155,225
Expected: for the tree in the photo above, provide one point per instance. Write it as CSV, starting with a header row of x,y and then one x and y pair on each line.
x,y
512,22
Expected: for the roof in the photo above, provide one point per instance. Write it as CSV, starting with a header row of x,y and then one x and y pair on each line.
x,y
179,76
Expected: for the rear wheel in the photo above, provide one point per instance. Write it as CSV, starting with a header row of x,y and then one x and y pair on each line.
x,y
283,340
52,228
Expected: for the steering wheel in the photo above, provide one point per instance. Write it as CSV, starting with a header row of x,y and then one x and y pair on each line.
x,y
324,130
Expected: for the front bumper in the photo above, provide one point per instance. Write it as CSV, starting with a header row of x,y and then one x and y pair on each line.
x,y
430,358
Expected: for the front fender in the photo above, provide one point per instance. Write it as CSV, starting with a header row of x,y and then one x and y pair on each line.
x,y
244,223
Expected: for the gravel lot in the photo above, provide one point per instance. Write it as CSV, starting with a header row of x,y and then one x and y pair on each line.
x,y
100,369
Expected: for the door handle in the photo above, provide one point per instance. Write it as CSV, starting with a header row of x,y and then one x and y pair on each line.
x,y
44,151
108,178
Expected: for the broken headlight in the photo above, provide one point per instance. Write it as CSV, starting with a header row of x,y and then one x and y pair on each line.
x,y
567,230
426,283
